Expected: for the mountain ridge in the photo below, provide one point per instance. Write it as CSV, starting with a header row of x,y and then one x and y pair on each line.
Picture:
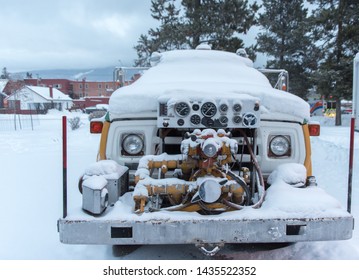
x,y
95,74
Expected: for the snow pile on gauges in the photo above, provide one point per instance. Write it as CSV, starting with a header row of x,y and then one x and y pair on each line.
x,y
109,169
206,73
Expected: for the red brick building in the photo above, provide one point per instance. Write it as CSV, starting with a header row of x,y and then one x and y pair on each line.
x,y
76,89
84,93
92,89
63,85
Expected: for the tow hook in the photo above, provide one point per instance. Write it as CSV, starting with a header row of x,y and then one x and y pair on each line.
x,y
209,249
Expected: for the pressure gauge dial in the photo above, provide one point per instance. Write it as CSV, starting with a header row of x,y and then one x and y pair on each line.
x,y
195,119
182,109
223,108
237,119
237,107
208,109
223,120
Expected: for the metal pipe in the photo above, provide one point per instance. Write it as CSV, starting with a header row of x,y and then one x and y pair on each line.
x,y
353,128
258,169
351,156
355,108
355,105
64,166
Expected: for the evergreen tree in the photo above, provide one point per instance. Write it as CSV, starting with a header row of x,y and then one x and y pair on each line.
x,y
5,74
218,22
284,38
336,25
168,36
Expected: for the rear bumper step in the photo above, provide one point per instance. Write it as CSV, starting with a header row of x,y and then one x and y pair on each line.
x,y
207,230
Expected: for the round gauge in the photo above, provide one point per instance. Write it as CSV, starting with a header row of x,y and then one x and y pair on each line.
x,y
237,119
195,107
195,119
223,120
209,122
223,107
180,122
182,109
208,109
237,107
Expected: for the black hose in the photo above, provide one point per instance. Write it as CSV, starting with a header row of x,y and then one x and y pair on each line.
x,y
242,184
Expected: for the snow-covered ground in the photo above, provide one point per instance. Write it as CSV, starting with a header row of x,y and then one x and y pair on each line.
x,y
31,192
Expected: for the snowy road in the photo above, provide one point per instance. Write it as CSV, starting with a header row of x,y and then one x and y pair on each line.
x,y
31,190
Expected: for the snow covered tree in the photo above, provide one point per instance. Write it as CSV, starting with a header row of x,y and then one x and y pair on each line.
x,y
336,30
218,22
167,36
284,37
5,74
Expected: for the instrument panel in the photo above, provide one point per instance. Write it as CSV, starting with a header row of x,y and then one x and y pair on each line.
x,y
209,113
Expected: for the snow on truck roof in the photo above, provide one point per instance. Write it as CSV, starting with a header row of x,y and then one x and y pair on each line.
x,y
206,73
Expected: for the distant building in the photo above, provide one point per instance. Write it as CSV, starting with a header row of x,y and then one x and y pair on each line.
x,y
3,83
76,89
85,88
63,85
81,93
37,99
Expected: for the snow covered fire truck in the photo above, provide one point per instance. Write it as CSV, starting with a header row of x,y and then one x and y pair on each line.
x,y
203,150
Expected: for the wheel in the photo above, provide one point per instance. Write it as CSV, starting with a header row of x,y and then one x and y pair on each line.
x,y
81,180
123,250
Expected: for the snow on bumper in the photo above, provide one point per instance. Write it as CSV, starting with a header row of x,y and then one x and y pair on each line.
x,y
288,214
204,231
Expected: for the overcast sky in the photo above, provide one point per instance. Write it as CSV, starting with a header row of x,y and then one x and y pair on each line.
x,y
71,34
49,34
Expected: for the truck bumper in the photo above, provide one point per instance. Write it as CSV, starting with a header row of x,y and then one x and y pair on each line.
x,y
207,230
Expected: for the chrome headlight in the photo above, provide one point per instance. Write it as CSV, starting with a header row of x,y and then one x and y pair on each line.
x,y
279,146
133,144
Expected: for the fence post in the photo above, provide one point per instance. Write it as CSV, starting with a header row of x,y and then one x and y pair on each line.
x,y
351,157
355,108
64,166
355,102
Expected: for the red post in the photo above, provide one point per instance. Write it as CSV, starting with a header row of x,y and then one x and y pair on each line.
x,y
64,166
351,157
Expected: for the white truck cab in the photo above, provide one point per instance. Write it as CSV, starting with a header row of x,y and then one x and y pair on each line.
x,y
203,150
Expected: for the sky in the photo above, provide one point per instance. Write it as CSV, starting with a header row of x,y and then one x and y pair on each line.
x,y
67,34
43,34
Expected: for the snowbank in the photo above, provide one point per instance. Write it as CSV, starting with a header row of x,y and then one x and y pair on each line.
x,y
329,121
